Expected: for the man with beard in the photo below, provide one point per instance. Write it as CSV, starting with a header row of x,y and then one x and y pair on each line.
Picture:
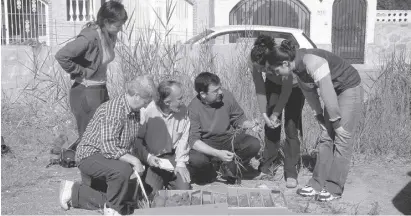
x,y
214,115
164,133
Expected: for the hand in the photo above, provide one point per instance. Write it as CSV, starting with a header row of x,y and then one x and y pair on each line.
x,y
153,161
268,121
138,166
224,155
342,134
275,121
183,171
249,124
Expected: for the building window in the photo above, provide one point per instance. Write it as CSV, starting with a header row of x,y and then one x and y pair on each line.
x,y
80,10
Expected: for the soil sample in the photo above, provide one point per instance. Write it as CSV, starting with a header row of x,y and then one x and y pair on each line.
x,y
196,198
185,199
243,200
173,200
255,200
158,201
279,199
220,198
232,201
268,202
207,198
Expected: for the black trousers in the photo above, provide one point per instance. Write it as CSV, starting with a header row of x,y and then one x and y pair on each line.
x,y
84,102
201,167
116,173
156,178
292,124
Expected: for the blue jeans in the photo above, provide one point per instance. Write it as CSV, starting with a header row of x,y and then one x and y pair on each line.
x,y
334,155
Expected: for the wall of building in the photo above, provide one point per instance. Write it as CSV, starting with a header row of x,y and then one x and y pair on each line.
x,y
389,37
144,14
321,18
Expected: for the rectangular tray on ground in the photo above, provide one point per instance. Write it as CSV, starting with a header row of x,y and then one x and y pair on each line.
x,y
234,198
256,198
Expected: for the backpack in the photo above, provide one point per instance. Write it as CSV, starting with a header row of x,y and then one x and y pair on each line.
x,y
66,159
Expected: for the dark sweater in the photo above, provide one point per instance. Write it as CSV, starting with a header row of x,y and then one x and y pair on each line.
x,y
214,123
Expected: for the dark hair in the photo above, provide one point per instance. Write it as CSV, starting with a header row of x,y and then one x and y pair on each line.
x,y
262,45
204,80
285,52
164,89
112,10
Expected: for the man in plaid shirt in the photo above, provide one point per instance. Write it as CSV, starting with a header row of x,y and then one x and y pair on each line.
x,y
105,150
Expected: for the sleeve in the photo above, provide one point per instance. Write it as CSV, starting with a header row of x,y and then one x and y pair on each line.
x,y
237,115
319,70
312,97
195,126
70,51
140,148
182,147
286,89
111,129
259,87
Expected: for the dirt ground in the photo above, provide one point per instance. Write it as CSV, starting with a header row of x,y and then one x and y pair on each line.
x,y
29,188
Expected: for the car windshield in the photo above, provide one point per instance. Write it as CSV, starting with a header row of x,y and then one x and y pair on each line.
x,y
199,36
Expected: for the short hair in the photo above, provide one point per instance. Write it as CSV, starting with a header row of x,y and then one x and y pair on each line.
x,y
164,89
143,86
204,80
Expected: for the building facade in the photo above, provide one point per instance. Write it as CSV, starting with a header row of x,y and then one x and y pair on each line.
x,y
341,26
55,22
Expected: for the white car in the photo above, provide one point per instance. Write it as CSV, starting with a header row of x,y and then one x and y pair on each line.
x,y
235,33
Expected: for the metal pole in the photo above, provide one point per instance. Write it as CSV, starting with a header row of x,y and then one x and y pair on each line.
x,y
6,19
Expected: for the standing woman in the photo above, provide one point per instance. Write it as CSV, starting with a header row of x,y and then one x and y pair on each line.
x,y
275,94
339,86
86,59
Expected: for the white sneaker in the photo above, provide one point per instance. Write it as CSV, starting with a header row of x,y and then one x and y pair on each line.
x,y
307,191
65,193
325,196
110,211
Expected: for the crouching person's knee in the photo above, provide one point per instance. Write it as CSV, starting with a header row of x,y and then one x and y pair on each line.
x,y
123,172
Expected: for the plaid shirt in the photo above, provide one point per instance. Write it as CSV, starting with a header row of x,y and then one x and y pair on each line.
x,y
111,131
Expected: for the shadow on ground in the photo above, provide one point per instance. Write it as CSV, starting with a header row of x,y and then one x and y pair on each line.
x,y
402,201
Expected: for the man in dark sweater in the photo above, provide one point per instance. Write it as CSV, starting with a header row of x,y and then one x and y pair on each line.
x,y
214,115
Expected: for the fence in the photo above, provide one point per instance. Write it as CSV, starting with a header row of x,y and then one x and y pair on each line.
x,y
24,21
394,16
80,10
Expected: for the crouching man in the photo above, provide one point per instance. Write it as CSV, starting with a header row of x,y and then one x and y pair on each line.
x,y
164,133
214,115
105,151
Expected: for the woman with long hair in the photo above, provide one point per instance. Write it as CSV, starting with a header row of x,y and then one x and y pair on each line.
x,y
322,74
86,59
275,94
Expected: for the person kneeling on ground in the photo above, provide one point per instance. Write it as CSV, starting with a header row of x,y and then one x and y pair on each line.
x,y
105,151
164,132
215,115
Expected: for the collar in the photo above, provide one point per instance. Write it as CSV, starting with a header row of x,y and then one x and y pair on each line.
x,y
166,116
131,114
